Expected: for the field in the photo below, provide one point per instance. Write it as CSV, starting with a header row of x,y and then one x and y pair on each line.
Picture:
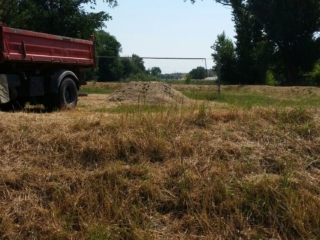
x,y
243,165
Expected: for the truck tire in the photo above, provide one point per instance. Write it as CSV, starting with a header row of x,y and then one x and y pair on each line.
x,y
68,94
66,98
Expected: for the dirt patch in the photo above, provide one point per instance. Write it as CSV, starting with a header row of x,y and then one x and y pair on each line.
x,y
148,93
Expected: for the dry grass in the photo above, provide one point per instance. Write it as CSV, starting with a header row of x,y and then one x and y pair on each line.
x,y
198,172
279,92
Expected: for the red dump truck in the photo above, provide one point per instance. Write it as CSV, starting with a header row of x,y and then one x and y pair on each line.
x,y
41,68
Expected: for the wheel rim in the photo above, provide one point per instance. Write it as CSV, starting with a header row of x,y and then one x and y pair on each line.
x,y
68,95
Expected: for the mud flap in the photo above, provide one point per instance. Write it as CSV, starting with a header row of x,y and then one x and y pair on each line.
x,y
4,89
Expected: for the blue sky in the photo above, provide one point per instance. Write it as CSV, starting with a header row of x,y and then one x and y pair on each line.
x,y
167,28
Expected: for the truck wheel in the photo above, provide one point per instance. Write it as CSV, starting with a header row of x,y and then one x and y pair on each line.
x,y
66,98
68,94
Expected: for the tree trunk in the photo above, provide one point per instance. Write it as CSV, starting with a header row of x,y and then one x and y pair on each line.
x,y
291,74
291,70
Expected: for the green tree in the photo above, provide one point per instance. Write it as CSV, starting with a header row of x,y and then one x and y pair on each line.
x,y
198,73
314,76
291,25
137,64
227,59
127,68
108,49
288,26
188,78
61,17
133,67
254,52
155,71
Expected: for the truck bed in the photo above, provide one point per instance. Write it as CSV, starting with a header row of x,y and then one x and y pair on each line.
x,y
26,46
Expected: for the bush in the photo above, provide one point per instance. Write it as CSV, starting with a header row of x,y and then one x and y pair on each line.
x,y
198,73
270,79
188,78
313,78
315,74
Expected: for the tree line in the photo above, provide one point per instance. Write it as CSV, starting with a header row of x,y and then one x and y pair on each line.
x,y
69,18
60,17
277,42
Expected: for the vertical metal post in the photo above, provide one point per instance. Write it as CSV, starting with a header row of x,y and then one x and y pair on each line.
x,y
205,60
219,76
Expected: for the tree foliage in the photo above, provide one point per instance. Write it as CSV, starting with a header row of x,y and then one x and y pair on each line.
x,y
155,71
61,17
127,67
227,61
132,66
291,25
313,78
198,73
279,35
137,64
112,67
109,63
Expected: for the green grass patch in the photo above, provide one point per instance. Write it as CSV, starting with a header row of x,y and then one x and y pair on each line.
x,y
192,82
250,100
96,88
247,99
201,95
131,109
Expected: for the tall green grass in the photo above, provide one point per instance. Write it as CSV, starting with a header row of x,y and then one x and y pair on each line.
x,y
192,82
99,88
247,99
131,109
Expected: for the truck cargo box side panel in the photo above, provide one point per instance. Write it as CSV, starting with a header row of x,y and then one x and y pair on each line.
x,y
22,45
